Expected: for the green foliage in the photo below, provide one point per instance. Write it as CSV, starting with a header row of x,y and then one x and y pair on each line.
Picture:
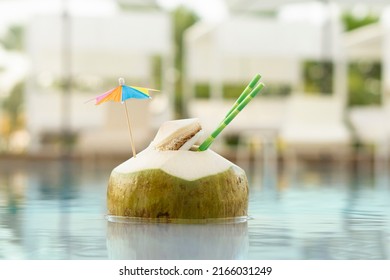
x,y
182,19
352,21
233,91
202,91
157,71
318,77
13,39
363,76
364,83
12,106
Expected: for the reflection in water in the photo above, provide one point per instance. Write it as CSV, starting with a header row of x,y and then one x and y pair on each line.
x,y
44,208
12,199
364,221
323,214
177,241
55,210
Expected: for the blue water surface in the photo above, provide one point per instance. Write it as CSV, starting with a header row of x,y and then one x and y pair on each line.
x,y
56,210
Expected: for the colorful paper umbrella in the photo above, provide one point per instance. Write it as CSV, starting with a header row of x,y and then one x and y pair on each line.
x,y
120,94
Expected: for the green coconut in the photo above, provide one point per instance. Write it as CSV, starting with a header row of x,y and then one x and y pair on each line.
x,y
177,184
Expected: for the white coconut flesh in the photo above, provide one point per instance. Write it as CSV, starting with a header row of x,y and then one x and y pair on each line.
x,y
172,135
188,165
191,142
181,163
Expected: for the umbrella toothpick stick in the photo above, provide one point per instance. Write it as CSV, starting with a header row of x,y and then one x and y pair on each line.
x,y
131,134
121,83
120,94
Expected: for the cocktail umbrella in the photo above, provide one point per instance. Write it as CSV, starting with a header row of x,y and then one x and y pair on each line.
x,y
120,94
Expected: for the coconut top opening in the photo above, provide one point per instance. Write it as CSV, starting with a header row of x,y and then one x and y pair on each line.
x,y
172,151
177,135
188,165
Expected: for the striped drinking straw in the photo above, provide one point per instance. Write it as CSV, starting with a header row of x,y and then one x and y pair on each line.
x,y
206,144
246,91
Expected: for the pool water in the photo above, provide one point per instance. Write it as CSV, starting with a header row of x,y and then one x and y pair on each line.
x,y
56,210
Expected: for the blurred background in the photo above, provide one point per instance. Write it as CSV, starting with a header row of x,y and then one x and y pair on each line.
x,y
315,143
325,65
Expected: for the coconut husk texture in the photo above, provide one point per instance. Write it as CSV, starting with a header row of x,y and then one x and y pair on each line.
x,y
153,193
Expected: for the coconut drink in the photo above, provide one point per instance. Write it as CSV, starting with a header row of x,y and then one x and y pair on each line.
x,y
175,180
171,179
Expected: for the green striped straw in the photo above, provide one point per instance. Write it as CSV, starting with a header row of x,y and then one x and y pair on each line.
x,y
246,91
206,144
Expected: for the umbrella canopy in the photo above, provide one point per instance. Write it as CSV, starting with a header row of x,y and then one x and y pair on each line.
x,y
122,92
